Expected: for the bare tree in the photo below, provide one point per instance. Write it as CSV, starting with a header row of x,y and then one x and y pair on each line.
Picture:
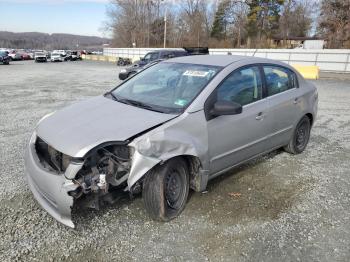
x,y
195,22
296,18
237,13
224,23
334,23
135,21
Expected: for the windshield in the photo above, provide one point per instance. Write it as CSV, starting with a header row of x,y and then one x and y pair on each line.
x,y
3,53
166,87
37,54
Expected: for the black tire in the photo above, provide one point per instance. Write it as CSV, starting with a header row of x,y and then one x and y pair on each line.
x,y
165,190
300,137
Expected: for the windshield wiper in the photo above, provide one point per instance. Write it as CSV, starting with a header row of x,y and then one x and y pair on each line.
x,y
112,95
139,104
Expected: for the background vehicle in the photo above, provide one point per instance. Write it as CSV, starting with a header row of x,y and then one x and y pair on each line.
x,y
172,127
4,58
75,55
58,57
25,56
15,56
31,54
40,57
158,56
123,61
68,56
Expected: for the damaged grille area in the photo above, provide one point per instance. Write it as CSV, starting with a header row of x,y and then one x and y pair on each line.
x,y
50,157
103,175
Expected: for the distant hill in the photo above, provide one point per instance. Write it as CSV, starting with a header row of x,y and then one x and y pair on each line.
x,y
34,40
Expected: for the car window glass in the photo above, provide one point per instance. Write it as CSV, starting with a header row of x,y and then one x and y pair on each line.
x,y
151,57
294,80
181,54
278,79
165,54
243,86
170,86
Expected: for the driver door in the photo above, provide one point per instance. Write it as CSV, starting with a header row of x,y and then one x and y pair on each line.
x,y
235,138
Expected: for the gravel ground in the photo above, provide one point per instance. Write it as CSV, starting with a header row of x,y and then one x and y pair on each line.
x,y
290,208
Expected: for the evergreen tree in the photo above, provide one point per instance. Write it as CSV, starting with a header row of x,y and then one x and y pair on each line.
x,y
218,30
263,18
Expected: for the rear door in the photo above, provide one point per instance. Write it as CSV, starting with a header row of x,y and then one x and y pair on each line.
x,y
234,138
284,102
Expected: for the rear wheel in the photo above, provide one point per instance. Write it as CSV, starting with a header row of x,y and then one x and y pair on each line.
x,y
300,137
165,190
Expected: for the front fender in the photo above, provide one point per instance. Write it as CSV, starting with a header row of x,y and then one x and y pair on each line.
x,y
178,137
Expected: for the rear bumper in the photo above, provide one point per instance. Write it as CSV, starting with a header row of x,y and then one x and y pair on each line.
x,y
49,189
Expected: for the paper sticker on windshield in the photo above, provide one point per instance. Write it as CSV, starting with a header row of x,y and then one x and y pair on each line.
x,y
196,73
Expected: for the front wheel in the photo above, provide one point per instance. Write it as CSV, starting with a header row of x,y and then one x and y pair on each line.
x,y
165,190
300,137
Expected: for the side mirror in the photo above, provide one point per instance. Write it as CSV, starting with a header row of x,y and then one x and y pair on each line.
x,y
221,108
142,59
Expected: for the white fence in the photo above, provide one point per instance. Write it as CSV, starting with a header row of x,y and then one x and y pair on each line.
x,y
336,60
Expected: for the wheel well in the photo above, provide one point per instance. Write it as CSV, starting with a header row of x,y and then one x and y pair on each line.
x,y
311,118
194,165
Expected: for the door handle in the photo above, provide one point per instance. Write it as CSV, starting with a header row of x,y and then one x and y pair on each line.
x,y
296,101
259,116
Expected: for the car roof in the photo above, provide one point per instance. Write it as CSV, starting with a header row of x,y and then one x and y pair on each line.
x,y
216,60
166,50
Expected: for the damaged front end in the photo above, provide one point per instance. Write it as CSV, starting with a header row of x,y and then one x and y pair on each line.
x,y
103,174
104,171
57,180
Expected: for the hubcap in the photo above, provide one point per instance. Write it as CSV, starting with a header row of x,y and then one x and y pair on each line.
x,y
301,136
173,189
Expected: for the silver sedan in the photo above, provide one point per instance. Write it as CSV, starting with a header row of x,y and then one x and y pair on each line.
x,y
166,130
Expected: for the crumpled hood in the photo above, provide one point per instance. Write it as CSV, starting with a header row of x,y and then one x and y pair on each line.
x,y
80,127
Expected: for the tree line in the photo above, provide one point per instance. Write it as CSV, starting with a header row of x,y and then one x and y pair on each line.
x,y
34,40
227,23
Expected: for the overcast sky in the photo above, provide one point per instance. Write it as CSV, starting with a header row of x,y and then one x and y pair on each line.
x,y
84,17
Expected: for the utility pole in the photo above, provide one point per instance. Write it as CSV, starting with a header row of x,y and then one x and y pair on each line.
x,y
165,27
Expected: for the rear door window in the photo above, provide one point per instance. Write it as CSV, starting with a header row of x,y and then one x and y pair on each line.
x,y
279,79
